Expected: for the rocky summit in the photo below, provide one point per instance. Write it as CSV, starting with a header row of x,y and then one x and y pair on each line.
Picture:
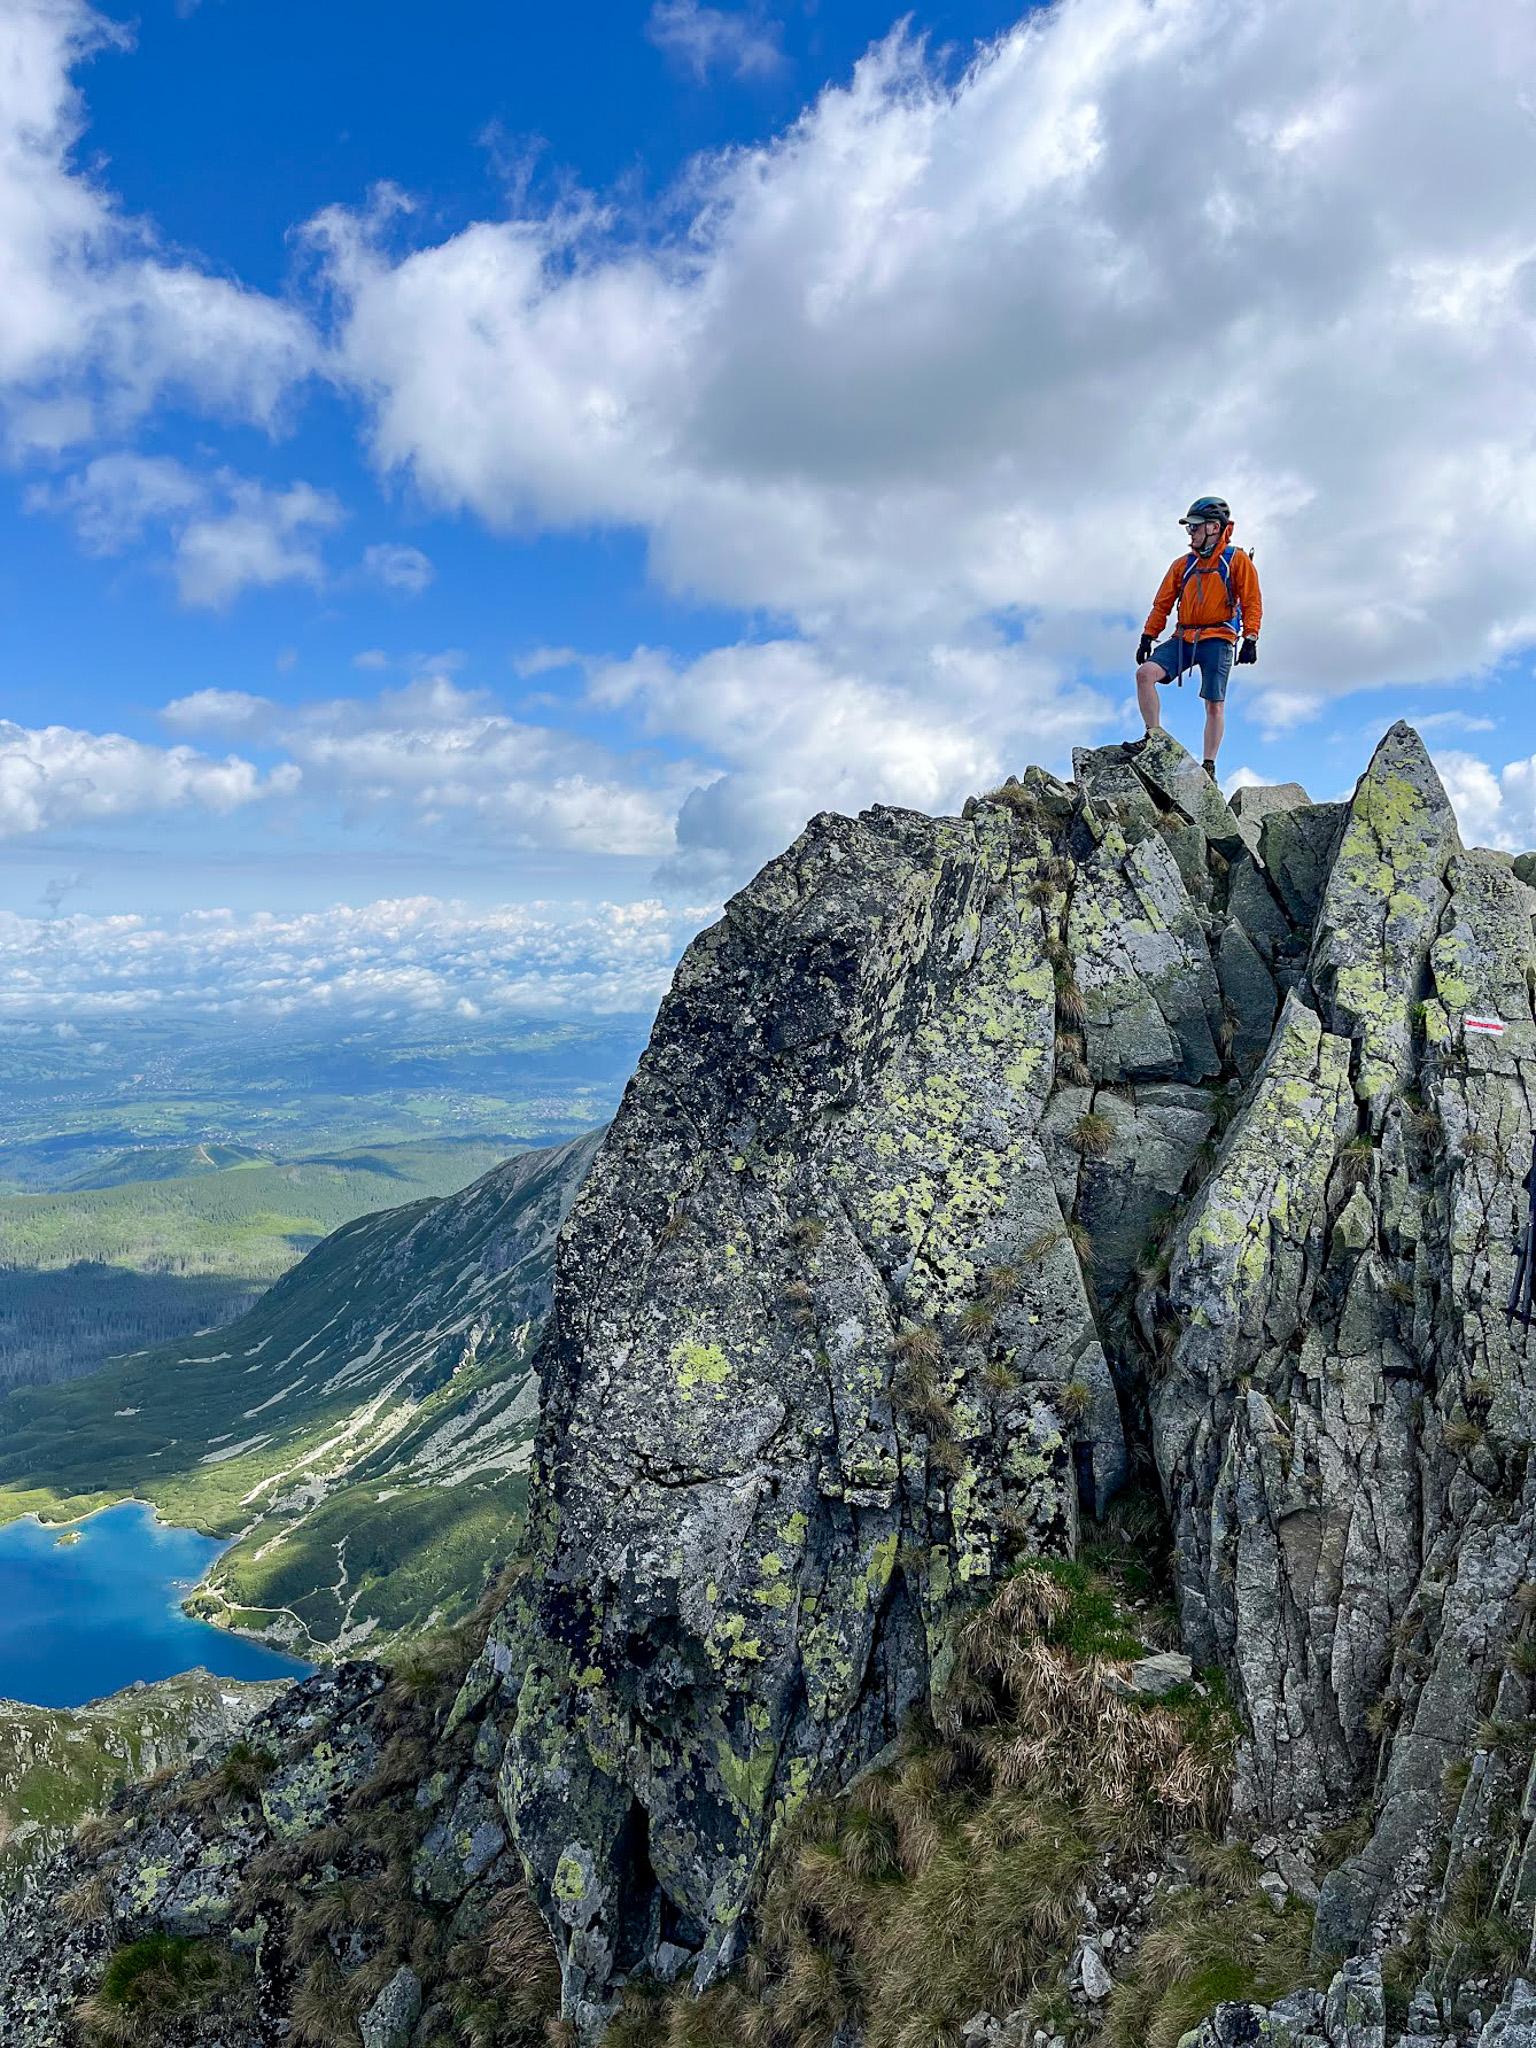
x,y
907,1238
1109,1144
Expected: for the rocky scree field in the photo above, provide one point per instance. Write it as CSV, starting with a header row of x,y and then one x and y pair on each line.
x,y
1031,1536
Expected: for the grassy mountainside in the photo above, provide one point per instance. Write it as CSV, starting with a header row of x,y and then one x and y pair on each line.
x,y
362,1433
253,1217
117,1263
57,1765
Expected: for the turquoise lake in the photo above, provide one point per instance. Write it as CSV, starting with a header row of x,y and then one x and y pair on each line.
x,y
85,1618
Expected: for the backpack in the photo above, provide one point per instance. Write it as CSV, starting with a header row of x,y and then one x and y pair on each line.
x,y
1224,563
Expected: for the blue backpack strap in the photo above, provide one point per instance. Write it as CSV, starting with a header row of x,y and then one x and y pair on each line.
x,y
1236,620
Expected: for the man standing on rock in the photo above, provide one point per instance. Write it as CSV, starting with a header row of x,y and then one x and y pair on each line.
x,y
1215,588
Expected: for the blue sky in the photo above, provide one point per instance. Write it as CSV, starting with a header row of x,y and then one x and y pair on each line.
x,y
476,480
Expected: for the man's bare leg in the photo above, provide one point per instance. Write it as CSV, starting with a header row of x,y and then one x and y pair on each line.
x,y
1215,725
1148,677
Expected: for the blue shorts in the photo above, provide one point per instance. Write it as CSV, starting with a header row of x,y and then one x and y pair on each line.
x,y
1213,658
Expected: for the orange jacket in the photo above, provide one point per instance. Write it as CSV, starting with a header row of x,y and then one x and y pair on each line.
x,y
1204,609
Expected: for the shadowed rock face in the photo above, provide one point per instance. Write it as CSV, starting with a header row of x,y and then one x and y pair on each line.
x,y
749,1544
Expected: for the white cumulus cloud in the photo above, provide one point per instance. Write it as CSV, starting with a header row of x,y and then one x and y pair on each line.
x,y
53,777
801,731
100,318
1494,806
399,568
954,350
226,533
437,755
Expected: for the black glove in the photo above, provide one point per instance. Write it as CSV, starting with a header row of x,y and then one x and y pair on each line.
x,y
1143,648
1249,652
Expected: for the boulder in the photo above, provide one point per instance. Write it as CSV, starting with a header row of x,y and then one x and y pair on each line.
x,y
1256,801
1296,851
391,2019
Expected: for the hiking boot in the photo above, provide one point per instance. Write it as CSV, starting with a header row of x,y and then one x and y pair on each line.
x,y
1130,748
1210,769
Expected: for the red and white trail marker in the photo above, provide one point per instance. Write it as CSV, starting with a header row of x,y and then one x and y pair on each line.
x,y
1491,1027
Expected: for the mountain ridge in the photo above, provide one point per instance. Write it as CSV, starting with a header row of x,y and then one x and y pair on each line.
x,y
1014,1218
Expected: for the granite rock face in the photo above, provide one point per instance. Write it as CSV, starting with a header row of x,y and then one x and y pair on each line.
x,y
1342,1425
908,1227
845,1314
823,1329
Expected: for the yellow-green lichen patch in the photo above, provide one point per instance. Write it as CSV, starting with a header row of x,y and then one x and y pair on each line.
x,y
746,1779
699,1365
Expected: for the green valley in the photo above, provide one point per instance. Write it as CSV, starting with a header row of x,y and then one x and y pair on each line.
x,y
104,1269
157,1175
361,1434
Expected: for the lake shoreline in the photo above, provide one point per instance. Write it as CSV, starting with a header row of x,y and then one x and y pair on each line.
x,y
77,1523
83,1620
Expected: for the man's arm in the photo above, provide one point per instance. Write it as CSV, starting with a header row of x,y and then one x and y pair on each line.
x,y
1167,597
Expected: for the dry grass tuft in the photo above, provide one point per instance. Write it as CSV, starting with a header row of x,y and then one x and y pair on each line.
x,y
979,1318
946,1881
945,1455
86,1903
1074,1400
1042,1246
1070,1007
1071,1061
100,1833
1013,796
1093,1135
915,1392
917,1344
674,1224
1355,1160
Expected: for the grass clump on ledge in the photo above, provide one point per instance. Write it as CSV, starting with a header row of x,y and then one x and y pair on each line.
x,y
1093,1135
944,1883
1219,1940
149,1985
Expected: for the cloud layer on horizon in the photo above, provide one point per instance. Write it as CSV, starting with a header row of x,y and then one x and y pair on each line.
x,y
411,956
